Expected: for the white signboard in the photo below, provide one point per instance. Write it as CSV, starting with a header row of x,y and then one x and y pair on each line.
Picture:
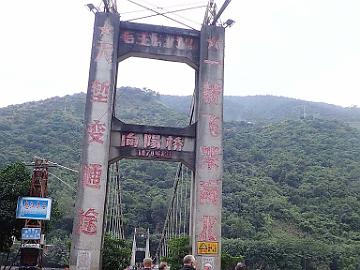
x,y
33,208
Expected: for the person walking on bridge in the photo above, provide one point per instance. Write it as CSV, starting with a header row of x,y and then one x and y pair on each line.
x,y
163,266
147,264
189,262
240,266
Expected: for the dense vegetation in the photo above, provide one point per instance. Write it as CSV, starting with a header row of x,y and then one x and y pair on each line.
x,y
116,253
291,184
15,181
272,108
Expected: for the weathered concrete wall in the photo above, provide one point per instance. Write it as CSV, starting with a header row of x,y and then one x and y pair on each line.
x,y
159,42
206,228
152,142
88,224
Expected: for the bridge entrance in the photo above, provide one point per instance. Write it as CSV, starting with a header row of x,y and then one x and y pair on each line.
x,y
107,140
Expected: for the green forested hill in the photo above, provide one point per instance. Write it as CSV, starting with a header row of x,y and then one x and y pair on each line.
x,y
288,184
297,177
272,108
52,128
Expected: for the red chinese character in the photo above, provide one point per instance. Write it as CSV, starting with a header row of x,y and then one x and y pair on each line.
x,y
207,230
212,62
210,157
176,144
105,50
210,192
214,125
184,43
130,139
169,143
92,175
107,29
155,40
87,222
213,43
169,42
96,131
211,93
128,37
100,91
189,43
143,39
152,141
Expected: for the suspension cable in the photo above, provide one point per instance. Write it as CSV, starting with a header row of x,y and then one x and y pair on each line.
x,y
168,215
166,12
182,17
161,8
120,200
172,19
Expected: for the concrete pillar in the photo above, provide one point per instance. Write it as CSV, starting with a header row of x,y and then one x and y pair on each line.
x,y
206,240
87,233
133,250
147,246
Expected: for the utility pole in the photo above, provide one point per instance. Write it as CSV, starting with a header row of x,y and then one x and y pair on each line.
x,y
33,240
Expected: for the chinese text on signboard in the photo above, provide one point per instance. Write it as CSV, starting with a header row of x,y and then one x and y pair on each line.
x,y
205,248
33,208
30,233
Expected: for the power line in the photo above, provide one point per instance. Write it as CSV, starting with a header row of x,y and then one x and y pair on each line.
x,y
56,165
62,181
167,12
51,164
63,167
182,17
187,19
151,3
166,7
172,19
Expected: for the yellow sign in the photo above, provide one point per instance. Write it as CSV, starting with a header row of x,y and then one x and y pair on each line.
x,y
207,247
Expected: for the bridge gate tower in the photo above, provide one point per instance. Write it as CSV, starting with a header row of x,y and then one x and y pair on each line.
x,y
107,139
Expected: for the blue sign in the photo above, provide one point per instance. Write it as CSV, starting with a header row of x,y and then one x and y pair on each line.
x,y
30,233
33,208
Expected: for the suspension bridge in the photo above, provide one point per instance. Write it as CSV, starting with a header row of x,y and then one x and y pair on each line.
x,y
176,223
195,205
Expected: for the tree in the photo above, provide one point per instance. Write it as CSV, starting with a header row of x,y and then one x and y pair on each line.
x,y
229,262
57,254
178,249
116,253
15,182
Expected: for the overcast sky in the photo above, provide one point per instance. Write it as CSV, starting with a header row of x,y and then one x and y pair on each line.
x,y
306,49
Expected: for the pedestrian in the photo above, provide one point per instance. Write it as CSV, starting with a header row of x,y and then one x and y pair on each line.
x,y
189,262
240,266
147,264
163,266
